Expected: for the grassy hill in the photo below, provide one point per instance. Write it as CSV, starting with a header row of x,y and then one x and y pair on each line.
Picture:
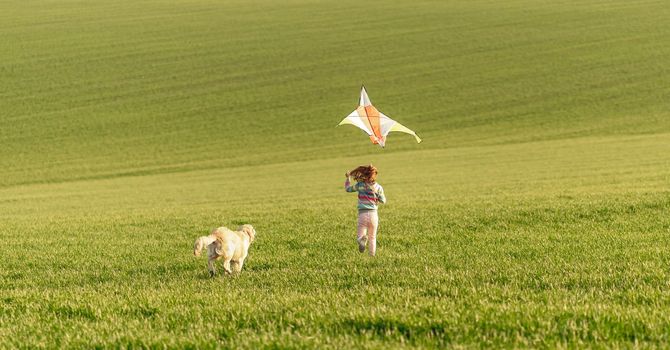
x,y
534,214
113,88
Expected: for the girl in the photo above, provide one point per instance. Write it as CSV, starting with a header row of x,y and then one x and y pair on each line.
x,y
369,194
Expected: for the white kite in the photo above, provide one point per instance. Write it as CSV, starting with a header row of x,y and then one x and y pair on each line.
x,y
373,122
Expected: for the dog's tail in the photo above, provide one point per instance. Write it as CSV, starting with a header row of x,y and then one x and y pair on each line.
x,y
201,243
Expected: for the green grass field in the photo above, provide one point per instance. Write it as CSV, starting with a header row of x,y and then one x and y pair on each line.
x,y
536,213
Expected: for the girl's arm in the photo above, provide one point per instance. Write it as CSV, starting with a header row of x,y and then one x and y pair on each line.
x,y
380,194
347,184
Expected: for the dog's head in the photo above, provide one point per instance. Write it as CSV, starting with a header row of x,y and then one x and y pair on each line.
x,y
249,230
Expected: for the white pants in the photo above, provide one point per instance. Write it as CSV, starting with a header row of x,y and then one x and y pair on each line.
x,y
367,223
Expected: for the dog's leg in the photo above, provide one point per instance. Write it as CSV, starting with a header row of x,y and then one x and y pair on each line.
x,y
226,266
211,266
237,267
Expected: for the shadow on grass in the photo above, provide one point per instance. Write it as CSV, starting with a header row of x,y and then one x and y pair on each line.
x,y
390,327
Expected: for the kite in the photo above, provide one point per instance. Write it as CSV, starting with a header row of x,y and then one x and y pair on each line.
x,y
375,123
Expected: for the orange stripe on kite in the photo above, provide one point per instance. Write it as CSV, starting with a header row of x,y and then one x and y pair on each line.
x,y
373,119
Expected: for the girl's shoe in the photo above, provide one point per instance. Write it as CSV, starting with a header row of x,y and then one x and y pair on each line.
x,y
361,243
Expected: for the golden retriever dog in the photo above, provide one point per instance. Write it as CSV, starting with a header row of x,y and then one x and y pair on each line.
x,y
232,246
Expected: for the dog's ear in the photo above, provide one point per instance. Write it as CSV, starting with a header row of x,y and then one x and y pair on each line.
x,y
250,231
217,247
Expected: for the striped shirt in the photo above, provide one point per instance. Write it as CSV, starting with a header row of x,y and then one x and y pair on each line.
x,y
368,195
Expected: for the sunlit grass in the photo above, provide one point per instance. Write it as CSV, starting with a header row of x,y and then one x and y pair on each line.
x,y
535,213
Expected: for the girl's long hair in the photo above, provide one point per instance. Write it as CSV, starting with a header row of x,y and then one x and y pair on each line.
x,y
365,173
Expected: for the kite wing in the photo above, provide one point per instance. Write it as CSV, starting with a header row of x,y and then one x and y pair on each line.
x,y
375,123
399,127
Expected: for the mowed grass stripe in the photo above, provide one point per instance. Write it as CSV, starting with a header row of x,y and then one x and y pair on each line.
x,y
605,166
615,153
